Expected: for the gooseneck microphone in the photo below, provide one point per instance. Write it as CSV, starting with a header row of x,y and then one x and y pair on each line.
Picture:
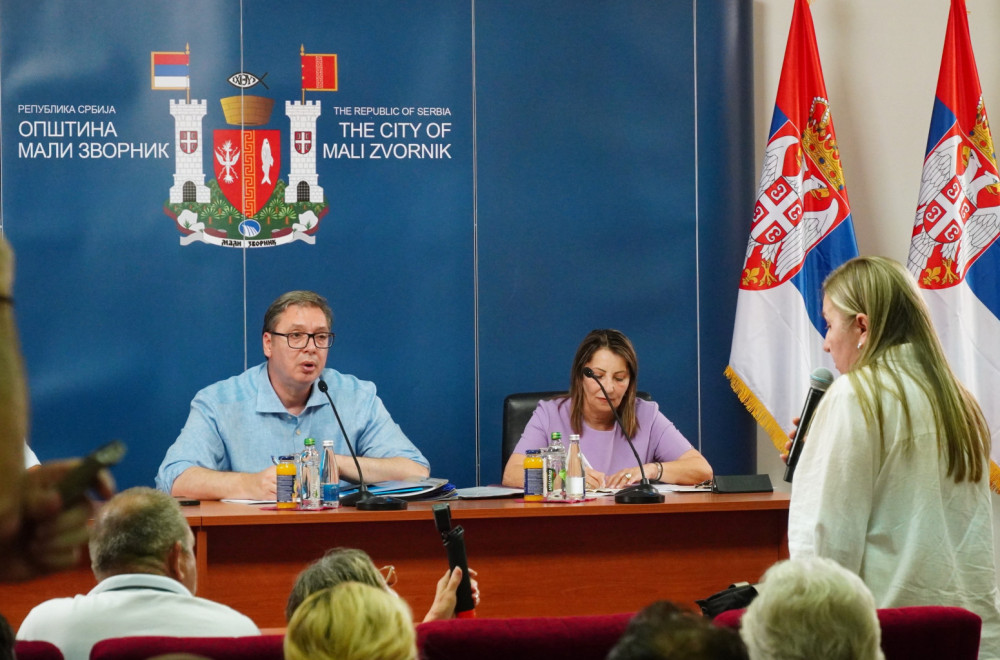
x,y
642,492
819,382
364,500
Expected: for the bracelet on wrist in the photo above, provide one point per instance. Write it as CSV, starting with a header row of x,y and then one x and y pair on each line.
x,y
659,472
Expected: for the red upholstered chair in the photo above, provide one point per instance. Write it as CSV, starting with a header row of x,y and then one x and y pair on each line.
x,y
262,647
537,638
915,633
36,651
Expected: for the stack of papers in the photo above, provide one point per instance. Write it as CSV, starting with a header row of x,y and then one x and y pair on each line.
x,y
415,489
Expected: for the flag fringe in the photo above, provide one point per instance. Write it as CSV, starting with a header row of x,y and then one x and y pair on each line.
x,y
760,412
994,477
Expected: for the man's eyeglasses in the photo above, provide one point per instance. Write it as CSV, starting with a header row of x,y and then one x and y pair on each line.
x,y
301,339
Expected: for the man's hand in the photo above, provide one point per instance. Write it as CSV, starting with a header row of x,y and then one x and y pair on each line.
x,y
262,485
49,537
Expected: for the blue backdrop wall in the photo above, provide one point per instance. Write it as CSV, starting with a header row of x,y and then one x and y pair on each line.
x,y
498,177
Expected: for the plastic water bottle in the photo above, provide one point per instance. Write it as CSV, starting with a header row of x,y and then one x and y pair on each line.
x,y
309,489
329,477
555,468
576,474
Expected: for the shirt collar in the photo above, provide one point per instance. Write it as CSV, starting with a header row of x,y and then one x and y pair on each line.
x,y
140,581
267,398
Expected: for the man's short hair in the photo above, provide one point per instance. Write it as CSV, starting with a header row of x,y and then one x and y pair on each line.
x,y
336,566
135,531
812,608
665,631
302,298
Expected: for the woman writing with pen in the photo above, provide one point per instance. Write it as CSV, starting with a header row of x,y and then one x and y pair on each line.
x,y
667,455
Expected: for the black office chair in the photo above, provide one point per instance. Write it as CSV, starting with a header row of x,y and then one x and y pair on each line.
x,y
517,410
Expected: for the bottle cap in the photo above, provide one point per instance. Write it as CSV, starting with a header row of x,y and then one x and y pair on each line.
x,y
310,442
556,435
533,451
286,459
328,443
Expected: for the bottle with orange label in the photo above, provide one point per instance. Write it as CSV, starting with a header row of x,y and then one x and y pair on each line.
x,y
534,476
285,469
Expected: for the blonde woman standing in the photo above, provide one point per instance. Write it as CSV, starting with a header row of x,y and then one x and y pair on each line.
x,y
893,481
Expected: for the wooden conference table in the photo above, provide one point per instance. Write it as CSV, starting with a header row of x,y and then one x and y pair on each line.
x,y
533,559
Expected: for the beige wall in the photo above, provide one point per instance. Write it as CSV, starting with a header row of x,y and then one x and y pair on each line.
x,y
880,61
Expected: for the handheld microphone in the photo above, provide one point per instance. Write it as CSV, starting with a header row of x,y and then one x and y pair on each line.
x,y
364,500
454,542
819,381
642,492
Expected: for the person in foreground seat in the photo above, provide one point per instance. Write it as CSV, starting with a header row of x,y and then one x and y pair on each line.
x,y
664,631
812,608
351,621
341,565
666,454
142,554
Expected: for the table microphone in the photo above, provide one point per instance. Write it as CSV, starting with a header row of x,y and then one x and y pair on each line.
x,y
642,492
819,382
364,500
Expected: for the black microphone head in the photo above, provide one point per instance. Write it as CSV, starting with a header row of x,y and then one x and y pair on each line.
x,y
588,372
821,379
321,384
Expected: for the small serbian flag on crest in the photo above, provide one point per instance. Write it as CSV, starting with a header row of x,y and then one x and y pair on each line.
x,y
169,70
801,230
319,71
953,251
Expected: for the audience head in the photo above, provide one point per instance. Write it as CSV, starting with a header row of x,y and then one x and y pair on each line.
x,y
142,530
6,640
303,298
664,631
351,621
336,566
618,344
812,608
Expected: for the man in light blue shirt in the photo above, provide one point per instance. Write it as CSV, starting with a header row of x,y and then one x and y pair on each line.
x,y
237,425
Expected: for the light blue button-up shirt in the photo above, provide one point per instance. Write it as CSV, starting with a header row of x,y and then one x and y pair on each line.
x,y
238,424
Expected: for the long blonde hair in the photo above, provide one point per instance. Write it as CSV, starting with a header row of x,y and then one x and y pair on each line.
x,y
351,621
884,291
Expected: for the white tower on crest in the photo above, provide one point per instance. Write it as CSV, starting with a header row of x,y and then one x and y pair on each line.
x,y
189,175
303,182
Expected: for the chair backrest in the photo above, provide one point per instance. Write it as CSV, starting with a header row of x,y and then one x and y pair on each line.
x,y
536,638
36,651
517,410
251,647
915,633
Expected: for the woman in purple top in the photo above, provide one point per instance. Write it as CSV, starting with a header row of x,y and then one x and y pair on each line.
x,y
667,455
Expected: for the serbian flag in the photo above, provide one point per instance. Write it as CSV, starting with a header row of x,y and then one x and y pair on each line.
x,y
953,254
319,72
801,231
169,70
